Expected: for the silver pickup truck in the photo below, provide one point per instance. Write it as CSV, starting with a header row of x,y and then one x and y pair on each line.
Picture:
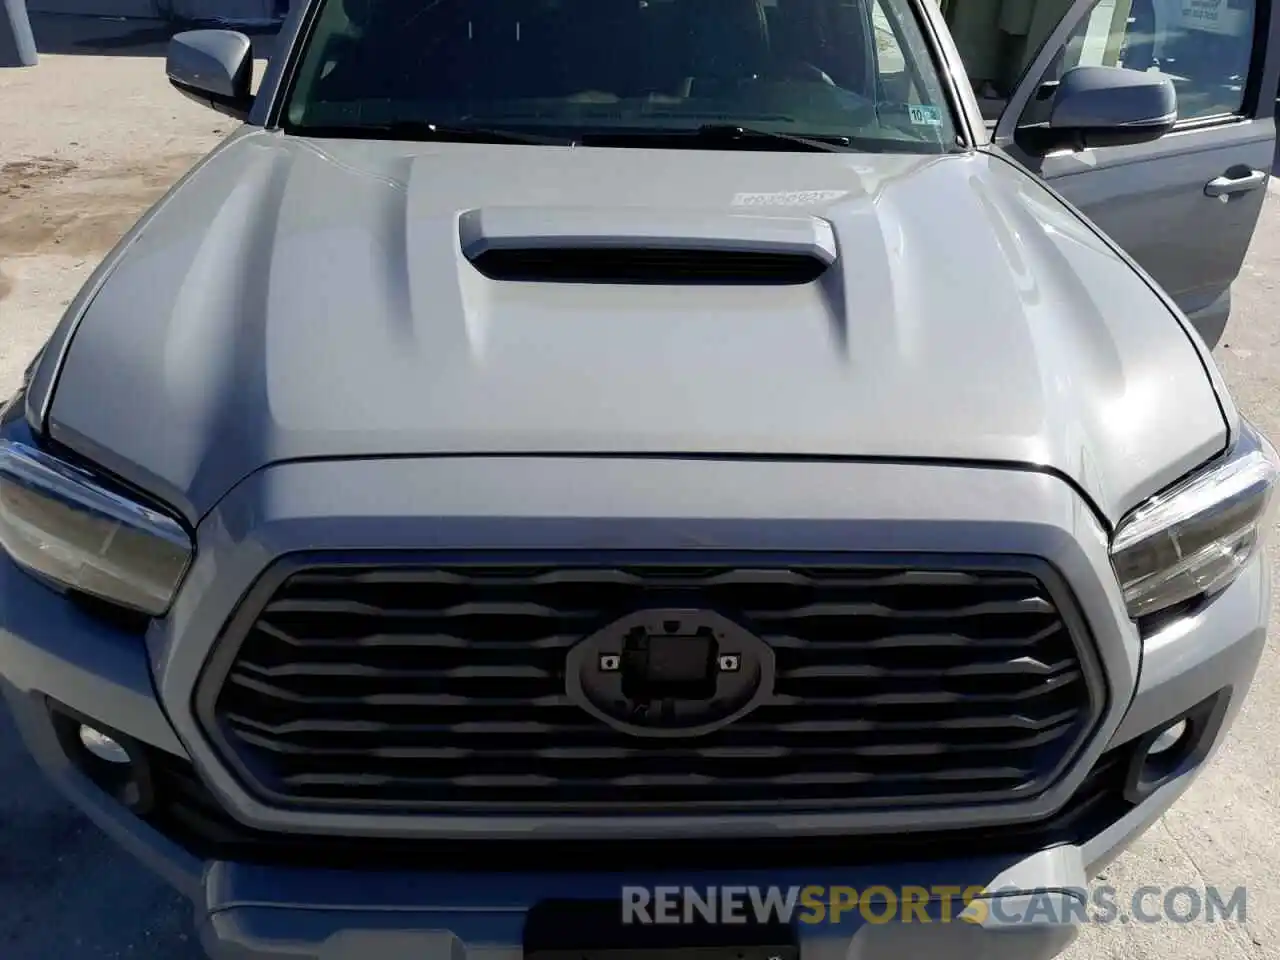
x,y
559,450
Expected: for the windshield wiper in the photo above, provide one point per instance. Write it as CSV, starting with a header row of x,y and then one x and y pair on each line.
x,y
422,130
715,135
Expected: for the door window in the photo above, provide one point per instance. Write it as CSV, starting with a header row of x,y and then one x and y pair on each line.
x,y
1204,46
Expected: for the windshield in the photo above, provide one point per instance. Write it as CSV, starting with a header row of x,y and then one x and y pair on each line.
x,y
853,74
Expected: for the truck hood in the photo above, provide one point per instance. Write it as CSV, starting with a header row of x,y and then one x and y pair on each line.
x,y
294,299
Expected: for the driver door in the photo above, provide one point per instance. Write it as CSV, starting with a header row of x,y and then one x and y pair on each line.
x,y
1184,206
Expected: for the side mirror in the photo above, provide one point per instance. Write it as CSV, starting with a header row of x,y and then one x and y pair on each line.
x,y
1111,106
213,67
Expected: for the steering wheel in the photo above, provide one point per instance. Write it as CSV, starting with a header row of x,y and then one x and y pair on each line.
x,y
794,71
804,71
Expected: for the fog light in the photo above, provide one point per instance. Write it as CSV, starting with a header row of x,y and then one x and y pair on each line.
x,y
1167,739
115,762
1166,752
102,746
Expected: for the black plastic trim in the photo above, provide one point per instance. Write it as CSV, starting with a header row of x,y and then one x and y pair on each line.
x,y
647,265
187,813
1204,720
137,791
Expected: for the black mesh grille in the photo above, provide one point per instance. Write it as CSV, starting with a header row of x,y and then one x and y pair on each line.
x,y
648,265
442,689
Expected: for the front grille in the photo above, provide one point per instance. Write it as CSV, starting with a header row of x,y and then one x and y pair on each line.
x,y
441,688
186,812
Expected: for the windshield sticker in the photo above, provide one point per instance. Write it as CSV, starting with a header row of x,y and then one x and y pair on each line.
x,y
923,115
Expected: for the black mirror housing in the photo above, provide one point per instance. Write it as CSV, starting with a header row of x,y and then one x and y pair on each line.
x,y
213,67
1111,106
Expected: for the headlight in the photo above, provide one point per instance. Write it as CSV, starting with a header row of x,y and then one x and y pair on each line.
x,y
1195,538
60,523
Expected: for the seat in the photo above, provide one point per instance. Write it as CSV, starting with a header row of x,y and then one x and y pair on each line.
x,y
826,36
599,45
727,39
510,54
397,55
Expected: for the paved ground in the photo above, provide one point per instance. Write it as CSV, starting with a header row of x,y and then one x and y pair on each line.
x,y
110,137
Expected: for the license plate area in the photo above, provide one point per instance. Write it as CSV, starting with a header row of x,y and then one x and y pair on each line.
x,y
595,930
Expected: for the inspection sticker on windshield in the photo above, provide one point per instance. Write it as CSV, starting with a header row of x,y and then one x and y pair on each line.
x,y
923,115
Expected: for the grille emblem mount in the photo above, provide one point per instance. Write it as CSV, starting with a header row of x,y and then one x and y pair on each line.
x,y
670,673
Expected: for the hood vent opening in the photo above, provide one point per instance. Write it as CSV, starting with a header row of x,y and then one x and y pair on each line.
x,y
659,265
638,246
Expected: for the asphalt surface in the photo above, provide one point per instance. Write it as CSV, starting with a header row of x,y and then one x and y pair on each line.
x,y
111,139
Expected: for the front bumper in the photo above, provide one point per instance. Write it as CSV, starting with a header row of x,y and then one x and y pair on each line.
x,y
52,651
435,916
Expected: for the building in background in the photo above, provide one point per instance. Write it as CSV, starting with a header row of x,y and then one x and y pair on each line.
x,y
239,12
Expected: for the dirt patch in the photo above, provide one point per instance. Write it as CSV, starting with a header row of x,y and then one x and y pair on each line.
x,y
24,174
5,285
54,206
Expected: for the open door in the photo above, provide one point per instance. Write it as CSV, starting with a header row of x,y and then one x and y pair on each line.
x,y
1184,205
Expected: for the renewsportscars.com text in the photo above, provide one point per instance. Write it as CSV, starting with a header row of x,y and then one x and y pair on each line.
x,y
937,904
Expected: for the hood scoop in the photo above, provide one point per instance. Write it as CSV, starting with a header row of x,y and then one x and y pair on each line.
x,y
631,245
